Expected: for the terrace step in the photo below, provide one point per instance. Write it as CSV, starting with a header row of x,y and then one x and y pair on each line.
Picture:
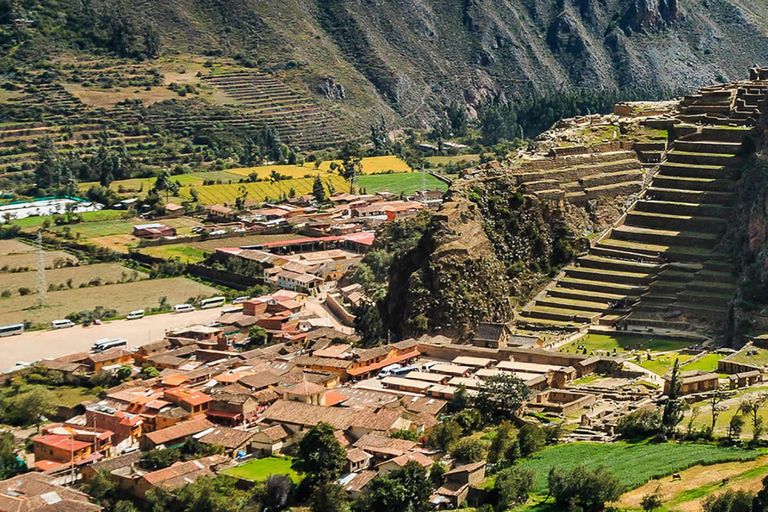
x,y
610,264
697,171
576,305
676,208
660,236
689,196
702,184
708,146
597,275
584,295
622,255
671,252
646,321
600,287
611,178
686,157
676,222
562,315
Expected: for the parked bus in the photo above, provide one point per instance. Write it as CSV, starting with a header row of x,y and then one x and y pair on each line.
x,y
240,300
387,370
134,315
403,371
107,343
238,308
213,302
183,308
10,330
62,324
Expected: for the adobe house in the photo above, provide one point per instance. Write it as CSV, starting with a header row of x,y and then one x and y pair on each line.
x,y
694,381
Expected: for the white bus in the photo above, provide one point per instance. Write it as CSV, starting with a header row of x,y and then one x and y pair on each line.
x,y
213,302
10,330
240,300
133,315
107,343
237,308
183,308
62,324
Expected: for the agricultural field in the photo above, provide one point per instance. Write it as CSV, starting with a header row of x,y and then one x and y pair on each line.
x,y
242,241
14,247
626,343
698,482
124,298
105,272
257,470
182,252
439,161
632,464
259,191
400,183
31,224
29,260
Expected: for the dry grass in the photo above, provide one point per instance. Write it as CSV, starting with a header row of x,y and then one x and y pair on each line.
x,y
113,272
240,241
124,298
100,98
14,247
29,259
119,243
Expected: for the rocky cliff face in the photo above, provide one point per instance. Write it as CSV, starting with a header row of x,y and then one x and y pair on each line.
x,y
401,58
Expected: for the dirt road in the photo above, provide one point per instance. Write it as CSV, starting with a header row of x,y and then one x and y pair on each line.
x,y
31,346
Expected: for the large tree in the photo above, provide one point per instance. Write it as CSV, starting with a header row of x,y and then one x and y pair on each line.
x,y
401,490
674,406
588,489
320,456
501,396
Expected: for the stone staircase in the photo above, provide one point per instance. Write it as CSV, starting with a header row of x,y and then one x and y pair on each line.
x,y
659,267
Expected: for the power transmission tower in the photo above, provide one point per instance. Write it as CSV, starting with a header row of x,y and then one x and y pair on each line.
x,y
41,289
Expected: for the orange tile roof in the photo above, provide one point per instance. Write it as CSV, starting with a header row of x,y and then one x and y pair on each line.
x,y
189,396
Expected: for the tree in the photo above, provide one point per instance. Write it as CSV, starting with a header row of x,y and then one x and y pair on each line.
x,y
318,190
729,501
151,40
30,407
468,449
735,426
329,497
153,460
513,486
444,435
10,465
501,442
125,506
531,439
320,456
258,335
674,406
405,434
368,324
639,424
718,395
460,399
760,503
150,372
100,487
277,492
750,407
651,502
436,473
401,490
124,372
501,396
587,489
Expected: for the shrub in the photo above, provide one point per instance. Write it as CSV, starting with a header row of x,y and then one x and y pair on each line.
x,y
469,449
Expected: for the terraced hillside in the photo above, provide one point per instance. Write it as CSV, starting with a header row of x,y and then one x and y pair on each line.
x,y
659,266
268,101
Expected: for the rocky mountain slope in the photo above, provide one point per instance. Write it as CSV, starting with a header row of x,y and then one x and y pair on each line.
x,y
402,58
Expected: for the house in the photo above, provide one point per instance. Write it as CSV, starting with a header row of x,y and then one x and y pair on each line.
x,y
744,379
153,231
192,401
220,212
35,492
400,461
357,460
307,392
124,425
61,444
694,381
239,407
456,484
384,448
173,210
492,335
235,442
178,475
151,349
296,281
111,357
271,440
109,465
174,435
355,483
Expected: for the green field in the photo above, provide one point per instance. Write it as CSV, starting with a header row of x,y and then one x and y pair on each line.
x,y
632,464
759,359
707,363
258,470
68,396
99,216
398,183
184,253
626,343
661,364
260,190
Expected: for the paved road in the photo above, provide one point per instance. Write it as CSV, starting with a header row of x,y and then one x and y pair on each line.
x,y
35,345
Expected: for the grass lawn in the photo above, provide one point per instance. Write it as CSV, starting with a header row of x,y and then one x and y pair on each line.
x,y
257,470
439,161
752,355
184,253
707,363
398,183
625,343
99,216
632,464
661,364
